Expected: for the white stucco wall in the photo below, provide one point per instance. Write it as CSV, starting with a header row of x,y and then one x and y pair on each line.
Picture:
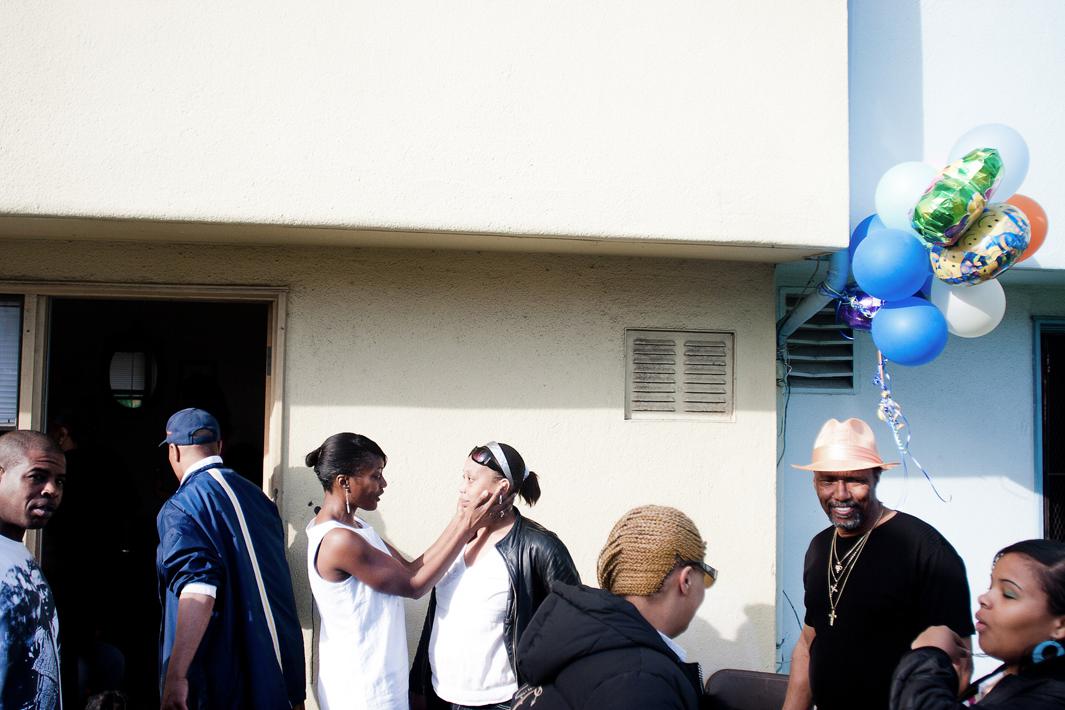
x,y
707,121
922,73
430,353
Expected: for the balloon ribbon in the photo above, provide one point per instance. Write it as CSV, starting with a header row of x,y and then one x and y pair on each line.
x,y
890,412
850,299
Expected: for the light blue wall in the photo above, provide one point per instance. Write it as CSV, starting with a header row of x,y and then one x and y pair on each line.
x,y
972,417
921,73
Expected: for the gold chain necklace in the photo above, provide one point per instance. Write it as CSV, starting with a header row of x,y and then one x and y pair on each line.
x,y
838,563
839,570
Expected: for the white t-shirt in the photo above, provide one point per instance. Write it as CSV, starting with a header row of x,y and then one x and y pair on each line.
x,y
29,632
467,651
362,644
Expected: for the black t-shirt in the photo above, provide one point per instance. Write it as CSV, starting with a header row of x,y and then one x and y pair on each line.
x,y
907,578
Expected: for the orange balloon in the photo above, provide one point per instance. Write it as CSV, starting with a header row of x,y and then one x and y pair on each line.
x,y
1037,217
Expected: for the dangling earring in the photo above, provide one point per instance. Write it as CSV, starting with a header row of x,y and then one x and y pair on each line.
x,y
1047,650
347,501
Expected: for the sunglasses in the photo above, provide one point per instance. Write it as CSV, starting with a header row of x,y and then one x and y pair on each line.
x,y
709,573
493,456
483,456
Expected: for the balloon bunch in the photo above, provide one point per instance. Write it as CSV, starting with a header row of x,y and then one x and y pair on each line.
x,y
939,235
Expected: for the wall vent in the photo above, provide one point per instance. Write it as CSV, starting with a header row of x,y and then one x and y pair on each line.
x,y
673,374
821,352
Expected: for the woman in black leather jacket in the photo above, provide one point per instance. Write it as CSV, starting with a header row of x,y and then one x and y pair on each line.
x,y
1021,622
478,610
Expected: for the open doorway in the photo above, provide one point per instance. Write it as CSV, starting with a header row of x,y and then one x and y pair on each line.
x,y
1051,343
116,370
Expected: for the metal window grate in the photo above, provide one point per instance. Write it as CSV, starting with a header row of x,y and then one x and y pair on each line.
x,y
10,347
1052,384
679,375
1054,495
821,352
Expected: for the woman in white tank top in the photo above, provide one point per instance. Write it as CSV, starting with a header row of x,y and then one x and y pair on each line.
x,y
358,580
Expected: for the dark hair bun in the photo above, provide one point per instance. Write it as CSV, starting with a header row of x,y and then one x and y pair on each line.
x,y
344,454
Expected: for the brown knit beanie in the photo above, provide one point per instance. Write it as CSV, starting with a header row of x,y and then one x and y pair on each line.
x,y
644,546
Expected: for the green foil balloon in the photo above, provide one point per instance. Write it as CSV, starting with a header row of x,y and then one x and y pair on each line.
x,y
957,197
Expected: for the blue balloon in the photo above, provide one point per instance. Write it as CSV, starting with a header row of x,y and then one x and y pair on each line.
x,y
866,227
891,264
926,289
910,331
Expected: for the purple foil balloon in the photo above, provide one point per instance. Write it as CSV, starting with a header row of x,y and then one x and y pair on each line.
x,y
857,308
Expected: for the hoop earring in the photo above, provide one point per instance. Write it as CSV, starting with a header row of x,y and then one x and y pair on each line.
x,y
1047,650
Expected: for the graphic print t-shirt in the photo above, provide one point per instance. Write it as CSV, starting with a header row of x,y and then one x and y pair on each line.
x,y
29,633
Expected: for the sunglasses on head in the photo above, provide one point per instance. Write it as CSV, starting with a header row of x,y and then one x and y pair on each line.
x,y
493,456
483,456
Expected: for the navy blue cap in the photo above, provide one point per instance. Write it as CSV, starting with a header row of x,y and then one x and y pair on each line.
x,y
182,427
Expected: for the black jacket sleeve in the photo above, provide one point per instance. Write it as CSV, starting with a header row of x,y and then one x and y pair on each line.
x,y
420,678
925,679
555,565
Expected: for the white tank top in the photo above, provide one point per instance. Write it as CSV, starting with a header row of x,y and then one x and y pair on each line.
x,y
362,646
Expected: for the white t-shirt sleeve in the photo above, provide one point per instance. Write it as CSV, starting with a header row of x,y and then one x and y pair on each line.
x,y
199,588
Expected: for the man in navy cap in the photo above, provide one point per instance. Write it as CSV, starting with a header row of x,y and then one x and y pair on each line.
x,y
231,637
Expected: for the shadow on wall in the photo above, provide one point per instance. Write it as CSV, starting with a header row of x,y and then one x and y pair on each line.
x,y
714,652
886,87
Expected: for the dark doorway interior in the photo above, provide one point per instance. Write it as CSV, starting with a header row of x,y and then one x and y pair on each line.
x,y
117,370
1052,346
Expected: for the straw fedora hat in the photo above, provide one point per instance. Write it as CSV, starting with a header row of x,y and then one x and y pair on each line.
x,y
845,446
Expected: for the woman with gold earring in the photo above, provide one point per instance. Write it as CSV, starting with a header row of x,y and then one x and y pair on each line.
x,y
467,655
358,580
1021,622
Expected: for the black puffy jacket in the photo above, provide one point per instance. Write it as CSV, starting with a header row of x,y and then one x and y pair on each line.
x,y
587,648
536,560
926,680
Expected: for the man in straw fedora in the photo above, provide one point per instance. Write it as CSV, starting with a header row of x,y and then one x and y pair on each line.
x,y
874,579
613,647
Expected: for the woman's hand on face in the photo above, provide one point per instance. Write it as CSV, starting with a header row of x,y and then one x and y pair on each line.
x,y
493,504
943,638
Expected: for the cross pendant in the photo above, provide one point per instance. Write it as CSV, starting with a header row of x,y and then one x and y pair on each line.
x,y
833,589
832,618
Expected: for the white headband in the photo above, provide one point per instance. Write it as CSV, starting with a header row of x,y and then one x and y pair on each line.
x,y
501,459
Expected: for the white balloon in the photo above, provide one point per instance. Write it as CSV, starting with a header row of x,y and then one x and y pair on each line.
x,y
971,311
899,190
1011,148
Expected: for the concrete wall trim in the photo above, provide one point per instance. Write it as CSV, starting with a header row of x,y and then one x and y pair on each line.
x,y
19,226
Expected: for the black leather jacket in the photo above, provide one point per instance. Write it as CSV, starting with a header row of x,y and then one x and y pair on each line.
x,y
925,680
536,559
